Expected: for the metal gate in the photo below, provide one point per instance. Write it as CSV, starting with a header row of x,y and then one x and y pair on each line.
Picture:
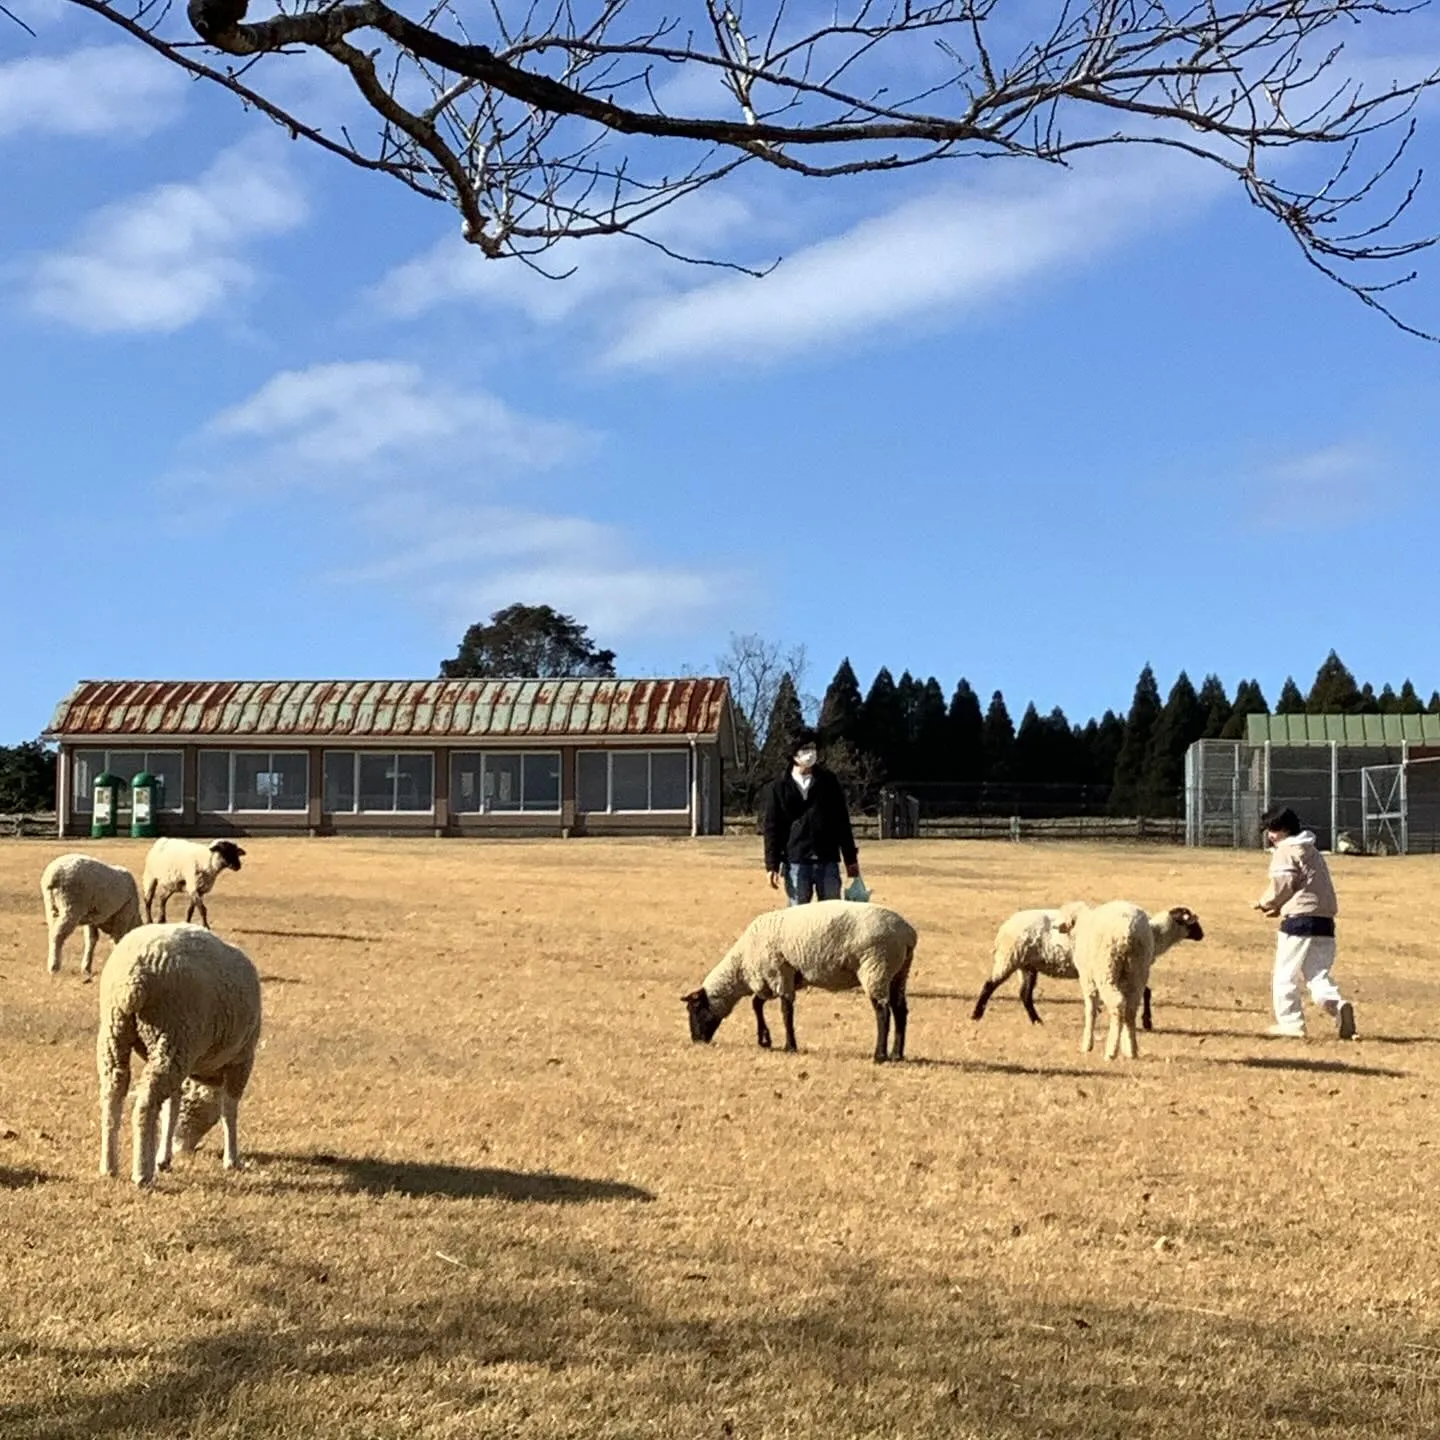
x,y
1386,814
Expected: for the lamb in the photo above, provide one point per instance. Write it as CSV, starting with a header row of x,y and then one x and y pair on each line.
x,y
1114,949
79,890
190,1005
1030,943
186,865
827,945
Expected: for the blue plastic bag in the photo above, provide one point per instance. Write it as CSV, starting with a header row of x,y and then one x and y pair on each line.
x,y
856,890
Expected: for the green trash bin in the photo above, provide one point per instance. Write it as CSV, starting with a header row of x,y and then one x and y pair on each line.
x,y
146,797
105,804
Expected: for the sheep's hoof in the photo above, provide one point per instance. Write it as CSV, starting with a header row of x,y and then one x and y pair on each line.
x,y
763,1042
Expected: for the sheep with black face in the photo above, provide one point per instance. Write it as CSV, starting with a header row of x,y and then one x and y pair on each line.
x,y
827,945
192,866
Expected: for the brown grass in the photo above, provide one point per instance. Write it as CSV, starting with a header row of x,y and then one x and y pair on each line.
x,y
493,1189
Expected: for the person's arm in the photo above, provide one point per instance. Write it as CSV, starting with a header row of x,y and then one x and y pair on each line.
x,y
1285,879
771,825
846,833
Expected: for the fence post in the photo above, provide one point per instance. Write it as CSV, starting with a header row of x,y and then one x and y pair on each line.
x,y
1015,828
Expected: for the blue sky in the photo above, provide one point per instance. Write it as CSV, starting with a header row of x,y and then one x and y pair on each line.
x,y
265,416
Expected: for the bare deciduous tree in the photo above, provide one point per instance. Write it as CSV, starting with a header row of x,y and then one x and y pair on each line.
x,y
754,666
546,119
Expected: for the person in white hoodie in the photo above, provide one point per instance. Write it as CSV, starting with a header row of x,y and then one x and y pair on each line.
x,y
1302,895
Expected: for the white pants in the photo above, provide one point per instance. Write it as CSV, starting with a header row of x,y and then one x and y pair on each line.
x,y
1300,961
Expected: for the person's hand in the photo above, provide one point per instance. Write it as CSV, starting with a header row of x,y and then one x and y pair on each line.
x,y
774,879
852,868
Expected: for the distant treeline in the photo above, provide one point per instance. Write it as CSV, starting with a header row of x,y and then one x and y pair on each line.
x,y
906,731
27,777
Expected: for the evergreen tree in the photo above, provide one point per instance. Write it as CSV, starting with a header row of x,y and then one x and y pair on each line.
x,y
1180,724
1027,755
1217,707
907,693
786,721
1408,702
1291,701
1369,703
1127,793
27,777
1047,751
1102,740
840,710
1249,700
1389,701
882,725
1433,708
1334,691
997,739
528,640
967,734
932,733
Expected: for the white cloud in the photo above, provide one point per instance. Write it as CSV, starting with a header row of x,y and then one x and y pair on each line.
x,y
427,470
942,253
356,419
103,90
1322,489
605,268
162,260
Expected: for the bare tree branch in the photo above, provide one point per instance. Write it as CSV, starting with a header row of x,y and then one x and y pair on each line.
x,y
541,120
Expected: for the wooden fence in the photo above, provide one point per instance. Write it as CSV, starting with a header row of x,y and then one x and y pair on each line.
x,y
36,827
1136,829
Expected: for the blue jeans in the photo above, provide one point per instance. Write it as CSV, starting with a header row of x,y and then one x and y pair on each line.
x,y
811,880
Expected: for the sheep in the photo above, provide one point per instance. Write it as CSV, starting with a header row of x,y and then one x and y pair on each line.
x,y
80,890
190,1005
827,945
187,865
1114,949
1030,943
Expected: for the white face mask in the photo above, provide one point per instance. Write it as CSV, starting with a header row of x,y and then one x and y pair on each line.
x,y
805,759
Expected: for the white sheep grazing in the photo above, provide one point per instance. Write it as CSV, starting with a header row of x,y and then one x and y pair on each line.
x,y
1114,949
79,890
1030,943
190,1005
826,945
187,865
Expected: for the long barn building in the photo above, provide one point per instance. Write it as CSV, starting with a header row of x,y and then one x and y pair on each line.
x,y
424,757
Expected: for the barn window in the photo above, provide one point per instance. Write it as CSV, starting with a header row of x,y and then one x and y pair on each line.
x,y
501,780
166,765
231,780
379,782
632,781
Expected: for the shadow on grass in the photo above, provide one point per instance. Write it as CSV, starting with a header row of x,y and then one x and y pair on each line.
x,y
1012,1067
1319,1067
21,1179
367,1175
604,1344
311,935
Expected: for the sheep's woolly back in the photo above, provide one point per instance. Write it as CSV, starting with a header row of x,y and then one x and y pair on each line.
x,y
175,864
185,993
1114,949
1028,940
82,890
828,944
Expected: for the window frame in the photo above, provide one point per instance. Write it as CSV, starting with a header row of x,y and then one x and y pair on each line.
x,y
393,756
84,804
649,753
486,805
231,808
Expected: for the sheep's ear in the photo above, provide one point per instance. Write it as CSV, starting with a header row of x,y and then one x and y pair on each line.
x,y
695,998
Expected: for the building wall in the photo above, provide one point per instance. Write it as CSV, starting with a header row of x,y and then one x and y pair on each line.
x,y
187,816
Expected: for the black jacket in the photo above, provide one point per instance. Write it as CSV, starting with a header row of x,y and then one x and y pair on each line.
x,y
814,826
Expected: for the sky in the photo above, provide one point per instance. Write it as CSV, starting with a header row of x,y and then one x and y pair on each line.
x,y
266,416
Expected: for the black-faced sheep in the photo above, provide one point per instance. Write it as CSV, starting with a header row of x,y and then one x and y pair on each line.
x,y
192,866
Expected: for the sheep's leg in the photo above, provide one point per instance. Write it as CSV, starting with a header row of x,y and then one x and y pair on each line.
x,y
1112,1038
197,902
762,1030
61,930
1028,980
164,902
159,1081
787,1014
882,1030
986,991
900,1008
87,960
112,1059
169,1114
1145,1020
1129,1044
232,1087
1087,1037
149,897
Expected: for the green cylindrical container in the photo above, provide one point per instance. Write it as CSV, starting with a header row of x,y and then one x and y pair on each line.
x,y
146,798
105,800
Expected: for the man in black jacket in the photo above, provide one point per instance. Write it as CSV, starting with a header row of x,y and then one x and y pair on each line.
x,y
807,827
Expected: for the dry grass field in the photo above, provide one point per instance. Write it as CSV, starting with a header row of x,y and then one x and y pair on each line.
x,y
493,1190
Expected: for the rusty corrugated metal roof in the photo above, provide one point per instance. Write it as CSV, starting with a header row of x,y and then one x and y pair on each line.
x,y
397,709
